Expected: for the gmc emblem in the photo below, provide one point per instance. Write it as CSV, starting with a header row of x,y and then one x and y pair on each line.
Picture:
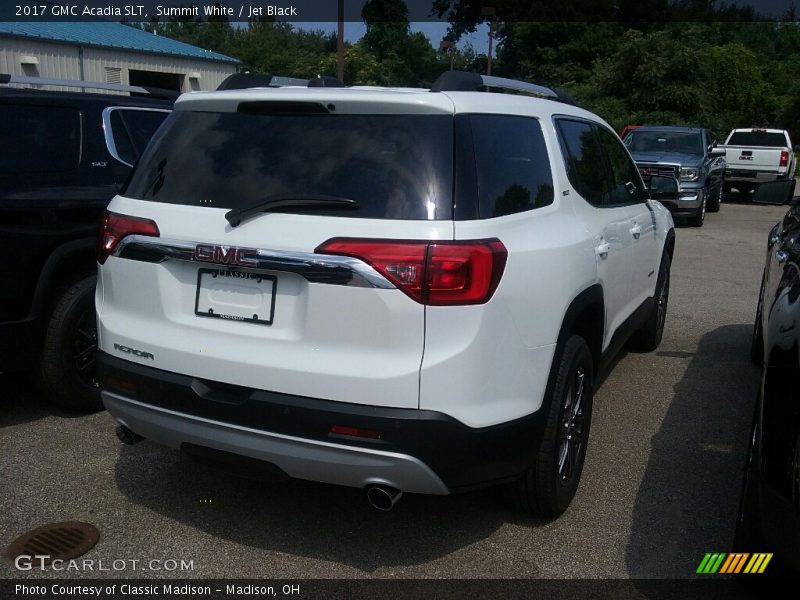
x,y
226,255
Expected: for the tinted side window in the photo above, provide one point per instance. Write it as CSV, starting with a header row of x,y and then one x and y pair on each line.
x,y
512,165
39,139
625,184
586,166
132,129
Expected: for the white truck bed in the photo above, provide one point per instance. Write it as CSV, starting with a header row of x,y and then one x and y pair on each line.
x,y
758,155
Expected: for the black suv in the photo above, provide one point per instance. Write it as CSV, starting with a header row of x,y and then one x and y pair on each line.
x,y
64,156
769,515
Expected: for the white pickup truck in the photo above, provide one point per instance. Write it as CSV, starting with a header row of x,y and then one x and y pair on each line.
x,y
753,156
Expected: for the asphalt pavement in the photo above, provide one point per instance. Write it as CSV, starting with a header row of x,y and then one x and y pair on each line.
x,y
660,487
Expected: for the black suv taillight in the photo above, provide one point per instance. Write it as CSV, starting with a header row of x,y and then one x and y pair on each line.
x,y
445,273
114,227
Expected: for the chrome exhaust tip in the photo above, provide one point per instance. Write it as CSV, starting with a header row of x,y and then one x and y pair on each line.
x,y
126,436
383,497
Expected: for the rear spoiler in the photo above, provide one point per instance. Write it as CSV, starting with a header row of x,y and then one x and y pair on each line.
x,y
243,81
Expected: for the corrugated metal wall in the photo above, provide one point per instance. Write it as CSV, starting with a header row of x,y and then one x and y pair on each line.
x,y
62,61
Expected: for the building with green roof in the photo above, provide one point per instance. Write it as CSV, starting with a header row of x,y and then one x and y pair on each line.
x,y
109,52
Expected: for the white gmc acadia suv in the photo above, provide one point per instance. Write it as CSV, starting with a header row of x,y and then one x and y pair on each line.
x,y
400,290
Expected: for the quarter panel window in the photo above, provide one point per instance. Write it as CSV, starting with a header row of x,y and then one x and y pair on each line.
x,y
511,163
585,163
132,130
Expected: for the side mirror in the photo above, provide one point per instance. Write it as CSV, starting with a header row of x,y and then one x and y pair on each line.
x,y
716,153
663,188
775,192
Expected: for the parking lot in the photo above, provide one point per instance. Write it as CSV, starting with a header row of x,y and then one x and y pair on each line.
x,y
660,486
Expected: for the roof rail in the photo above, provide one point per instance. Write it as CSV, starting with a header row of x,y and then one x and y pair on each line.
x,y
325,81
99,85
462,81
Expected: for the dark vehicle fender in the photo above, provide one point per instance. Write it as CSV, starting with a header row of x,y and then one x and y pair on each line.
x,y
67,263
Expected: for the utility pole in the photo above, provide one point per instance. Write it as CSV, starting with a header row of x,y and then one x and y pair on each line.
x,y
490,12
340,43
448,46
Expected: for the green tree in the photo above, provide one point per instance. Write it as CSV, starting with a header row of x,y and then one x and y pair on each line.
x,y
406,59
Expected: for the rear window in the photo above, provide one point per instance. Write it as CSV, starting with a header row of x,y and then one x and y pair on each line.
x,y
39,139
394,166
758,138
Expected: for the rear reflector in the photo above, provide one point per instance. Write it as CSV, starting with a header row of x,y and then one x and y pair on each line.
x,y
784,158
122,384
114,227
357,432
445,273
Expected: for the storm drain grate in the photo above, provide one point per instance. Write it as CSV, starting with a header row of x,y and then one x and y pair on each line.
x,y
59,541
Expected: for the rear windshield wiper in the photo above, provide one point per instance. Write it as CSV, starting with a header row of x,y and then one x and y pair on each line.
x,y
270,203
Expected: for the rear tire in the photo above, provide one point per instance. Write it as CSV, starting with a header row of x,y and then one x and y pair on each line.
x,y
67,367
648,337
549,484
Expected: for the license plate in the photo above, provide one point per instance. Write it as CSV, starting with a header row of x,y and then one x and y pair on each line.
x,y
235,296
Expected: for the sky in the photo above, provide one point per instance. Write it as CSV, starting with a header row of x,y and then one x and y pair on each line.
x,y
353,31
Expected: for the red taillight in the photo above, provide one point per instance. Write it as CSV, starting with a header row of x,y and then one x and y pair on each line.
x,y
114,227
357,432
784,158
434,273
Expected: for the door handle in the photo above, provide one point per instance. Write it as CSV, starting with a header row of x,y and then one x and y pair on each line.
x,y
636,231
781,256
602,249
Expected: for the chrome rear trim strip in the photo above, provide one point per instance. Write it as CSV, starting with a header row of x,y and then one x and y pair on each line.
x,y
315,268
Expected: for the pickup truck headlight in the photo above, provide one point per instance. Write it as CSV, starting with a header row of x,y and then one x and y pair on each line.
x,y
689,173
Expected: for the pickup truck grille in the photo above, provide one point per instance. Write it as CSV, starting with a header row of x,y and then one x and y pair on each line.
x,y
647,170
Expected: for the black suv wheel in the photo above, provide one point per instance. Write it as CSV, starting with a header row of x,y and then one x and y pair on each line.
x,y
69,353
550,483
648,337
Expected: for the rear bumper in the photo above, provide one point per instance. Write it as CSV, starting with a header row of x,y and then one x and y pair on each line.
x,y
297,457
419,451
744,176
